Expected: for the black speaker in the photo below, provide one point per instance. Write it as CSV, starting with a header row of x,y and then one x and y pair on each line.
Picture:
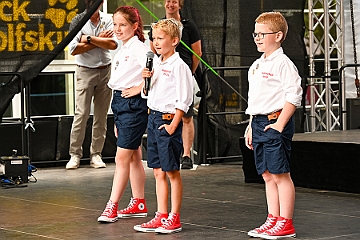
x,y
353,113
43,139
16,167
63,138
10,137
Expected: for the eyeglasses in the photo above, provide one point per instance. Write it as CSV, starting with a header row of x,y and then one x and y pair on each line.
x,y
261,35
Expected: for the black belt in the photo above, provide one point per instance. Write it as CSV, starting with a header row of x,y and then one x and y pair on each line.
x,y
101,67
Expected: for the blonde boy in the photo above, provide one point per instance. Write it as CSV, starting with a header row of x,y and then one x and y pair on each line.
x,y
274,93
170,95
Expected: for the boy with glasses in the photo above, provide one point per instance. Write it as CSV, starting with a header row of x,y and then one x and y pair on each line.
x,y
274,93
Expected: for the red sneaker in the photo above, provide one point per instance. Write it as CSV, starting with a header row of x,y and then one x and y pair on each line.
x,y
110,213
269,223
172,224
157,221
136,208
284,228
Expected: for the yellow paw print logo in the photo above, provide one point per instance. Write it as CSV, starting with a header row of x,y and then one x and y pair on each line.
x,y
58,16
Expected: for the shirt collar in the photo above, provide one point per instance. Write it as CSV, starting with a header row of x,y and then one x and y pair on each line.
x,y
276,53
101,22
102,15
171,59
130,41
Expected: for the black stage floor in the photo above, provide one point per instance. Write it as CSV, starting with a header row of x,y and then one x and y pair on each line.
x,y
327,160
348,136
322,160
217,204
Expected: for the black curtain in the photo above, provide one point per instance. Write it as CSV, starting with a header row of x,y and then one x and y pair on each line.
x,y
226,28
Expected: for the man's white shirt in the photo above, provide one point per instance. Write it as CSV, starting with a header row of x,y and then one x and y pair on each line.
x,y
98,56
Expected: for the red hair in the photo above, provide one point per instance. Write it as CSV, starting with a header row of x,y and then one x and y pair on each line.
x,y
132,15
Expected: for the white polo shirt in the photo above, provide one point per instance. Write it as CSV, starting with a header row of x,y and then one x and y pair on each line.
x,y
128,64
98,56
171,85
272,82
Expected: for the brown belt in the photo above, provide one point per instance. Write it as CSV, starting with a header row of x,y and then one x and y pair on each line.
x,y
274,115
168,116
164,116
101,67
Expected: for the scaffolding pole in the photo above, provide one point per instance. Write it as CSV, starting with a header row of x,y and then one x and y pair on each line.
x,y
326,38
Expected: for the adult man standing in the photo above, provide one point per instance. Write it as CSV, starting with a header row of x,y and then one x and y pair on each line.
x,y
91,50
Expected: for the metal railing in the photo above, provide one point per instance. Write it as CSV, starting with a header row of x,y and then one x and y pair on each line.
x,y
24,108
203,158
342,103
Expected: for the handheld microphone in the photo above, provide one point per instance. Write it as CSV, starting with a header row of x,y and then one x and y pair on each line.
x,y
149,65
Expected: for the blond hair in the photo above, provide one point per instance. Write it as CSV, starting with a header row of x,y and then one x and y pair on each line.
x,y
169,26
275,21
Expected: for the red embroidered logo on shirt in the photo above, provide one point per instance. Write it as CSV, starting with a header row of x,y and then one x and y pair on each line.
x,y
267,75
166,72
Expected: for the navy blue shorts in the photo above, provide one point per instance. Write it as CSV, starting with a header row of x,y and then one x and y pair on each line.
x,y
163,149
130,117
271,148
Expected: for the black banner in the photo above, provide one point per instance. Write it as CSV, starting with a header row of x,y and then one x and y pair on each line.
x,y
32,34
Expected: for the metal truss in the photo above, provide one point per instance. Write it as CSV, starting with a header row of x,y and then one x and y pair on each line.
x,y
326,44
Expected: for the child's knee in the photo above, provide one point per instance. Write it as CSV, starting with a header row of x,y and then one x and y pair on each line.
x,y
173,174
159,174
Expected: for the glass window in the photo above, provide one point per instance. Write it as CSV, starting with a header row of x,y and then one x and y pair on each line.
x,y
155,6
52,94
8,112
